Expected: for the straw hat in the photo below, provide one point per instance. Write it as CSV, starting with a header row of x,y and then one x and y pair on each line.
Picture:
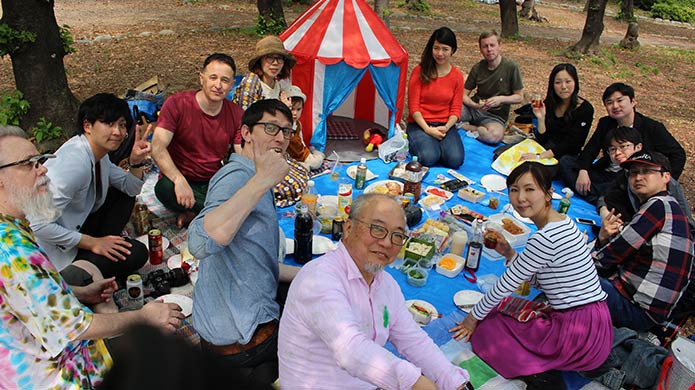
x,y
268,46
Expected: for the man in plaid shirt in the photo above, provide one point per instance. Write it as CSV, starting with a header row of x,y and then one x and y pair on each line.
x,y
651,256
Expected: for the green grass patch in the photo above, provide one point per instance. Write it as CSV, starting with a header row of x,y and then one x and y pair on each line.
x,y
647,70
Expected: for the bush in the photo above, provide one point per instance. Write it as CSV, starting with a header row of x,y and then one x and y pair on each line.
x,y
45,131
12,108
669,11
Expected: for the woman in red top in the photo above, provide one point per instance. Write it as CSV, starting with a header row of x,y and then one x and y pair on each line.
x,y
435,96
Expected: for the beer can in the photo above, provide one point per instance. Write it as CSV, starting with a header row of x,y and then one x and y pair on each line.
x,y
136,297
337,231
155,243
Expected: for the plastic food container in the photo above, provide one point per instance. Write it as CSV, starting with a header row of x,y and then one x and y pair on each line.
x,y
417,277
515,240
417,249
471,194
443,265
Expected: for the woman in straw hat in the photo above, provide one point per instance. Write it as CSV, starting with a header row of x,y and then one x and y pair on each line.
x,y
269,72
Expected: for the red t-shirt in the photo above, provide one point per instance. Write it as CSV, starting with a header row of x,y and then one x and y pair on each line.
x,y
200,141
438,99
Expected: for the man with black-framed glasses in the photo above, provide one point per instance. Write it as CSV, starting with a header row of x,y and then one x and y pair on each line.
x,y
342,308
650,260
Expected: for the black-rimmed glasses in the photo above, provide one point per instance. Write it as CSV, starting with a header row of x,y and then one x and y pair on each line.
x,y
632,172
272,129
379,232
35,160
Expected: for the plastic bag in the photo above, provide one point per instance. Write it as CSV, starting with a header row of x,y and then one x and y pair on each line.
x,y
394,148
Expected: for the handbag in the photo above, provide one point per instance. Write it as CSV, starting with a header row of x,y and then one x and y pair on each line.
x,y
523,310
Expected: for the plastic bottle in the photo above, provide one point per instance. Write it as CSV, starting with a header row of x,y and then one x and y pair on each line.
x,y
413,178
303,236
310,197
565,202
344,198
475,247
361,174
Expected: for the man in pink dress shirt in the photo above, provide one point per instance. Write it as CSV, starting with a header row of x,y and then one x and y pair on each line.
x,y
342,308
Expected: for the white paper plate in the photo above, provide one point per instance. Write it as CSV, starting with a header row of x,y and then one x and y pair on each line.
x,y
183,301
319,245
145,240
494,182
434,314
466,299
381,183
327,200
556,196
352,169
444,193
522,219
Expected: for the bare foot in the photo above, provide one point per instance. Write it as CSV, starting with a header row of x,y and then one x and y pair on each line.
x,y
184,219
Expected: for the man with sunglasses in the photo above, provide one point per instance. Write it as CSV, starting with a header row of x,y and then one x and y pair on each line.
x,y
90,217
650,258
194,133
237,237
48,339
342,308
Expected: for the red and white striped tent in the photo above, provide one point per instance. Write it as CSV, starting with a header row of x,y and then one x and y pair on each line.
x,y
348,62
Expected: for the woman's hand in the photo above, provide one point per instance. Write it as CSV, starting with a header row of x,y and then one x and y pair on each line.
x,y
539,112
436,132
529,156
464,329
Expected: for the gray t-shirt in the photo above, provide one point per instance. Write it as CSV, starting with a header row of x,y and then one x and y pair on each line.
x,y
501,81
237,283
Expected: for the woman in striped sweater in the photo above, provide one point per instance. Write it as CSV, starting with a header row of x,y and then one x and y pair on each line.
x,y
576,333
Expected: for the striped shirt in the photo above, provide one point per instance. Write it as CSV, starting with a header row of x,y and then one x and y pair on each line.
x,y
557,261
654,255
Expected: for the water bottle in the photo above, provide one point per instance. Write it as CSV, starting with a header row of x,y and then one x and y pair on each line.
x,y
475,247
303,236
361,174
413,179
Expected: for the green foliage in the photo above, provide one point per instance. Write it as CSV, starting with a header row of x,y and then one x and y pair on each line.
x,y
647,70
12,108
623,74
12,40
644,4
67,39
421,6
270,26
682,11
45,131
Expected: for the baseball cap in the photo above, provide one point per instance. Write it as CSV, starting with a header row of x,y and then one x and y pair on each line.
x,y
294,91
654,159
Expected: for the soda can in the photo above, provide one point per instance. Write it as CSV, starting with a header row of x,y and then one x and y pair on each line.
x,y
136,297
155,243
337,231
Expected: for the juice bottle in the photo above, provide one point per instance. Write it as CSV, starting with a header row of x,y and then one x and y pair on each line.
x,y
361,174
303,236
344,198
475,247
413,178
310,197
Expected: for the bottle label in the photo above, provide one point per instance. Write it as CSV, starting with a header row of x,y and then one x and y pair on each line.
x,y
473,257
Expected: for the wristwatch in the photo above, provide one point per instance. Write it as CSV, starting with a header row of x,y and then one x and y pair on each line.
x,y
144,163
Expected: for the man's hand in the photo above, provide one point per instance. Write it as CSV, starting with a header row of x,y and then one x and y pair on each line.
x,y
184,192
271,165
96,292
464,330
424,383
583,184
611,224
141,148
493,102
114,248
162,315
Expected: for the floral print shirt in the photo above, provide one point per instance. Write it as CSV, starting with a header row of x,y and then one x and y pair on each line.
x,y
40,319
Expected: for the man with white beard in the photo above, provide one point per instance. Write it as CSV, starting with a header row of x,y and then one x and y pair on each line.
x,y
48,339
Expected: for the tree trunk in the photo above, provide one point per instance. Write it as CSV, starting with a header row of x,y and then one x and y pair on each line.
x,y
593,27
510,23
627,10
271,11
630,41
381,7
38,67
528,10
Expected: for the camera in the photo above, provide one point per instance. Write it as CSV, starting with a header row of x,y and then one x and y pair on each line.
x,y
162,281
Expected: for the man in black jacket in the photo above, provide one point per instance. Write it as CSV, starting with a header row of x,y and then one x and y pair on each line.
x,y
590,179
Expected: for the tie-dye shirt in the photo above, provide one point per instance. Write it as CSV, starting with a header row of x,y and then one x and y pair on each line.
x,y
41,319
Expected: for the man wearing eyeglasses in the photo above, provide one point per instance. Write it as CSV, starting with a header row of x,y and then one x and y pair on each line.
x,y
48,339
590,179
195,131
89,222
342,308
236,237
652,256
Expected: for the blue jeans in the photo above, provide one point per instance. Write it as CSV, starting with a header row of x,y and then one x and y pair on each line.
x,y
430,151
624,313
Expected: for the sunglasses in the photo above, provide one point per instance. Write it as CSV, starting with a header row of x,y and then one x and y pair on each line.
x,y
35,160
272,129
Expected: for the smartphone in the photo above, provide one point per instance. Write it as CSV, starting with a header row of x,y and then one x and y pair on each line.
x,y
586,221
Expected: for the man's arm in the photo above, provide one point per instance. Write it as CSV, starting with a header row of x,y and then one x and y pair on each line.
x,y
664,142
160,142
467,101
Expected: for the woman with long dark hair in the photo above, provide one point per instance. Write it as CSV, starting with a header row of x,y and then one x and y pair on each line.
x,y
564,117
435,98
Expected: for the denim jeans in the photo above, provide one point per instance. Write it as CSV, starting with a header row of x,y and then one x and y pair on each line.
x,y
601,179
624,313
430,151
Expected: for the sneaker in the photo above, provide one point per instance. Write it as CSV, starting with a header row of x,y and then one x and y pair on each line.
x,y
649,337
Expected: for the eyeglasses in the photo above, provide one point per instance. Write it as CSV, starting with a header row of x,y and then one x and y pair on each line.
x,y
35,160
622,148
632,172
272,129
379,232
278,59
